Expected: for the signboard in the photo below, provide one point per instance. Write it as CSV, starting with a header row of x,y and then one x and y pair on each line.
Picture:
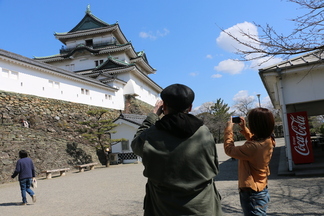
x,y
300,142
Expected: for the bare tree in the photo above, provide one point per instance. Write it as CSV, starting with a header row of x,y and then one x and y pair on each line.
x,y
204,108
244,105
307,36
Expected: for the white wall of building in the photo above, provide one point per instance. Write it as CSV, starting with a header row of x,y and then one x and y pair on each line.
x,y
79,62
299,88
27,79
144,92
96,40
121,57
85,61
124,130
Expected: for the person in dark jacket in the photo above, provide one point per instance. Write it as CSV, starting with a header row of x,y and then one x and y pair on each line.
x,y
26,172
179,157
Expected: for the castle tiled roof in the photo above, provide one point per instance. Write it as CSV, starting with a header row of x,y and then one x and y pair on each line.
x,y
134,118
17,57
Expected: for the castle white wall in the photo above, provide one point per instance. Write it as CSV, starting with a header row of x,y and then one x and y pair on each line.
x,y
27,79
145,93
81,61
109,38
85,61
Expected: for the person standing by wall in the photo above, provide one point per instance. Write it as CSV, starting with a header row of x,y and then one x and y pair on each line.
x,y
180,158
254,158
26,172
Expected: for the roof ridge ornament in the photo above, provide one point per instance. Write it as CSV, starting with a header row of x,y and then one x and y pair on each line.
x,y
88,9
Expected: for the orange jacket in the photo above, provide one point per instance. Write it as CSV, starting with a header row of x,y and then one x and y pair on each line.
x,y
254,158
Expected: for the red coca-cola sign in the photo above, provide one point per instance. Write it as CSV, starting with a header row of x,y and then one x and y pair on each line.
x,y
300,142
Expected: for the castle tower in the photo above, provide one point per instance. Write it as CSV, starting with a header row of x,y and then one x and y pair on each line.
x,y
98,50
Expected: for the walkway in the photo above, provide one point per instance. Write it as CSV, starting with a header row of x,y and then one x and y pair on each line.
x,y
119,191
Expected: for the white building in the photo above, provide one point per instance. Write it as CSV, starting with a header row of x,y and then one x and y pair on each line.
x,y
97,65
296,85
127,127
24,75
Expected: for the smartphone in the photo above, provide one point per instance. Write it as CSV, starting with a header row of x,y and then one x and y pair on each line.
x,y
236,119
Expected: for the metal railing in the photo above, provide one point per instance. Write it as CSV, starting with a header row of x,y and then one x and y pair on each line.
x,y
64,50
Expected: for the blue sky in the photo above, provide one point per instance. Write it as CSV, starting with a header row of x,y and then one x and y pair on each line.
x,y
181,38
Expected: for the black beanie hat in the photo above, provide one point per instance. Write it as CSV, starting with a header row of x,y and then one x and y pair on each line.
x,y
177,96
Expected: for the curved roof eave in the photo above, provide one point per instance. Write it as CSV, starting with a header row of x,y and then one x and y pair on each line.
x,y
51,68
108,49
89,17
120,35
63,37
136,70
299,61
114,28
144,64
133,118
128,47
145,77
117,70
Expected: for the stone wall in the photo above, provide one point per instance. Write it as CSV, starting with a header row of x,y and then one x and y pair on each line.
x,y
52,138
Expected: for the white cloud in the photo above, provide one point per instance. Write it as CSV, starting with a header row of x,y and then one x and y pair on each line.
x,y
147,35
209,56
263,62
193,74
267,102
216,76
230,66
154,35
242,94
162,33
228,43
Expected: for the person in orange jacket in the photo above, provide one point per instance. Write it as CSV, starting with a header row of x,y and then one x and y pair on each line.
x,y
254,157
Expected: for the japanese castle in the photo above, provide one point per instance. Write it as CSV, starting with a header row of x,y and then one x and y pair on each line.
x,y
96,65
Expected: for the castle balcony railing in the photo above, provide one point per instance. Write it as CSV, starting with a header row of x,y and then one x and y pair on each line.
x,y
65,50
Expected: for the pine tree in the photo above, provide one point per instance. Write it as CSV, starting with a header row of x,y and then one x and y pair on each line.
x,y
98,129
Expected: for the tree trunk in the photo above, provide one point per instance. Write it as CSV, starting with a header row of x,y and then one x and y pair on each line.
x,y
107,159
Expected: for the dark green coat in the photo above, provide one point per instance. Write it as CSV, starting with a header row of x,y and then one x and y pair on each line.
x,y
180,171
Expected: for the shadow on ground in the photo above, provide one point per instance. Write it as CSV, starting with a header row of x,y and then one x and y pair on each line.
x,y
228,169
11,204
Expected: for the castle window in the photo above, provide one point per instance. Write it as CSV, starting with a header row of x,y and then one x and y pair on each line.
x,y
10,74
107,97
89,42
69,67
14,75
53,84
85,91
98,62
5,73
125,145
